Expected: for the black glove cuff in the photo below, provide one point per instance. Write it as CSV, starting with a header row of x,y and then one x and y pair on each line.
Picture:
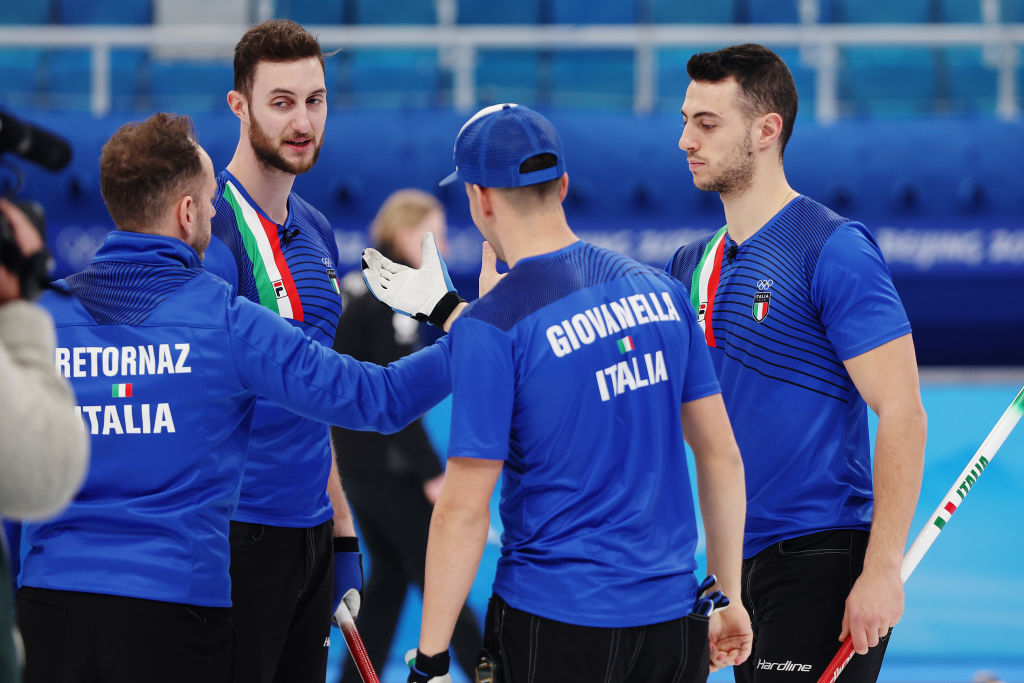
x,y
432,666
346,544
443,309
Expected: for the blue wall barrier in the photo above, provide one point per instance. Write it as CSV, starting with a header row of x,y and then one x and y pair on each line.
x,y
944,198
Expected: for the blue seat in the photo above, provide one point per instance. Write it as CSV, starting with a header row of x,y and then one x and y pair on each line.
x,y
507,76
876,81
190,86
968,85
395,12
20,72
959,11
1011,11
105,11
775,12
387,78
305,12
676,12
591,12
22,12
882,11
601,79
69,79
490,12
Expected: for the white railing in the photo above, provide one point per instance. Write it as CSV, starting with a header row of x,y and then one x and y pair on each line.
x,y
819,46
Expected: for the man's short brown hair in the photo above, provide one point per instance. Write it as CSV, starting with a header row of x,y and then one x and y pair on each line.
x,y
146,165
765,82
276,40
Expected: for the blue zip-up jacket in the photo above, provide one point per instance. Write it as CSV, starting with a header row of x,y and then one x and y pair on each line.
x,y
166,364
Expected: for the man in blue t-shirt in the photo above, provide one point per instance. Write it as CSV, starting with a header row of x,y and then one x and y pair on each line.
x,y
806,331
569,378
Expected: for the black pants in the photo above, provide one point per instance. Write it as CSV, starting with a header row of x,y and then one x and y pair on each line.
x,y
394,521
795,592
91,638
281,585
531,649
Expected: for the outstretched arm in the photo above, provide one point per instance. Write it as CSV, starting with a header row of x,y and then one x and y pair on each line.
x,y
887,379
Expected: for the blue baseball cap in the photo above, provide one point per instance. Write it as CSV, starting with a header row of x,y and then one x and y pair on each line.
x,y
495,142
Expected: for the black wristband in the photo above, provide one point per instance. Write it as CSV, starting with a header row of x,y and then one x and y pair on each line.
x,y
436,665
443,309
346,544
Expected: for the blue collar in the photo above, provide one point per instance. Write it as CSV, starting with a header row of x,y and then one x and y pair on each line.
x,y
143,248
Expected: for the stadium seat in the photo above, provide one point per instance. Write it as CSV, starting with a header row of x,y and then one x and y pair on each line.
x,y
304,12
777,12
883,11
1011,11
20,71
675,12
967,84
507,76
490,12
960,11
69,79
584,79
883,81
385,78
22,12
395,12
105,11
190,86
592,12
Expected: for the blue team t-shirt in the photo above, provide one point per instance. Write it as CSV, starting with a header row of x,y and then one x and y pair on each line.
x,y
290,269
572,370
806,292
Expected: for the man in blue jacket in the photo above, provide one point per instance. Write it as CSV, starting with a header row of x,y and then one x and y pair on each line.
x,y
131,582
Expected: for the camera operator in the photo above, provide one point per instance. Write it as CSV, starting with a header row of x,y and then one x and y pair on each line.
x,y
44,451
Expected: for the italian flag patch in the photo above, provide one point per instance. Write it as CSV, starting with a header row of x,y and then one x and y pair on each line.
x,y
121,391
626,345
274,281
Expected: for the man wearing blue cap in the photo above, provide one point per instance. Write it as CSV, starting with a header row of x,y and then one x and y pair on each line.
x,y
569,376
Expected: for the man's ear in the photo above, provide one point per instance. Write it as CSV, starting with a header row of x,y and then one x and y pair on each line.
x,y
563,189
183,211
238,105
769,130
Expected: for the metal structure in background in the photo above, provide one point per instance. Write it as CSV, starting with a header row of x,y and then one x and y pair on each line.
x,y
458,45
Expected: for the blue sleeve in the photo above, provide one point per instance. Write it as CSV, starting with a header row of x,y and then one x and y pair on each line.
x,y
483,390
853,289
277,361
221,262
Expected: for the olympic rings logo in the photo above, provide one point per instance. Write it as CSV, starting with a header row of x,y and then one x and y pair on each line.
x,y
764,284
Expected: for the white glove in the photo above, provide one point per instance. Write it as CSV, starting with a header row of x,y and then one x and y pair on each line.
x,y
416,675
348,609
425,293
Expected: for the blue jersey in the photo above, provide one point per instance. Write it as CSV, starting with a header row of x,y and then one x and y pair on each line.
x,y
573,370
166,364
781,312
290,269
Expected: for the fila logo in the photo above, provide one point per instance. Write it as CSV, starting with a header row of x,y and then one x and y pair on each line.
x,y
701,311
279,291
782,666
765,285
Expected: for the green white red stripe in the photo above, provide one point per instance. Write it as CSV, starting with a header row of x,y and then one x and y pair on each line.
x,y
121,390
626,344
274,281
704,285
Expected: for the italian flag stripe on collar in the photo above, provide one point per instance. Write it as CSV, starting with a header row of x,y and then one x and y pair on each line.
x,y
705,284
270,270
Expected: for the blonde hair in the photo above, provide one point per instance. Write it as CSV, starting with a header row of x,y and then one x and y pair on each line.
x,y
402,209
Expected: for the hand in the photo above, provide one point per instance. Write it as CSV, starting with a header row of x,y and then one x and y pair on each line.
x,y
425,293
29,241
873,607
489,275
424,669
348,577
432,488
730,636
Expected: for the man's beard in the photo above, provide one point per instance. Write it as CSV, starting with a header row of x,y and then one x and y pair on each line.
x,y
267,152
200,243
737,171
